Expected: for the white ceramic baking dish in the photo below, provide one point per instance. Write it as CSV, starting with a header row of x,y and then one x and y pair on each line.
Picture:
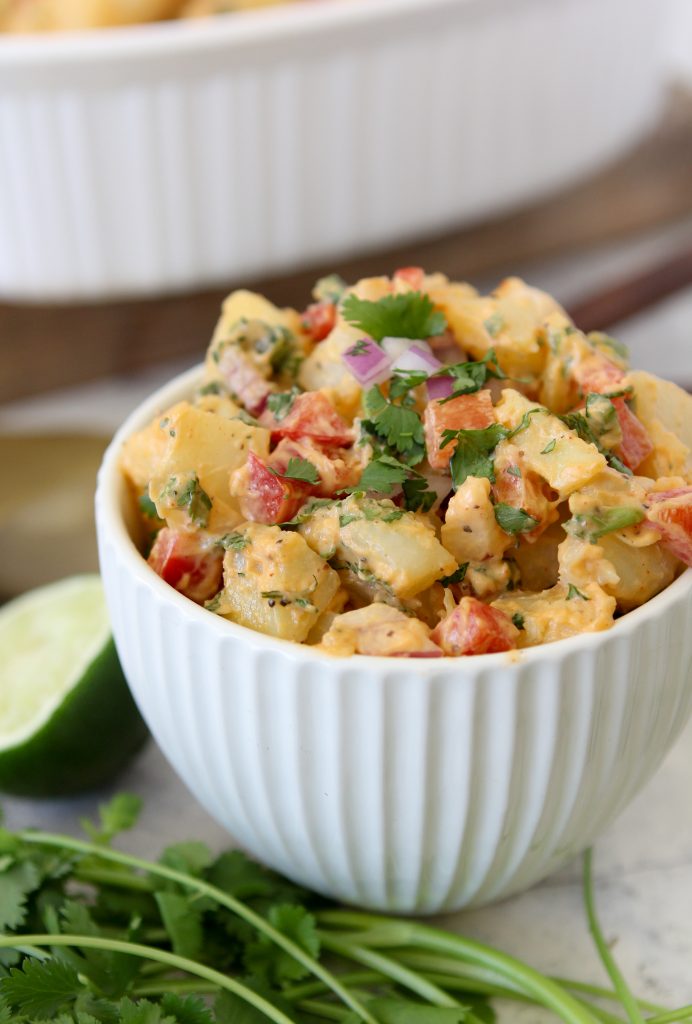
x,y
176,155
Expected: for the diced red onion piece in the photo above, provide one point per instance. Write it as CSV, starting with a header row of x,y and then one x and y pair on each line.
x,y
440,387
418,359
368,363
394,347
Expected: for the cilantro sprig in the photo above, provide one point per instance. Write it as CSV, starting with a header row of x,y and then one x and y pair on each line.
x,y
385,472
298,469
409,315
396,426
472,454
514,520
471,376
281,403
580,424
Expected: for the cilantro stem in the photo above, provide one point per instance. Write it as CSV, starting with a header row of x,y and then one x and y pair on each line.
x,y
545,992
223,899
390,968
318,1008
116,879
629,1003
176,986
672,1017
599,992
179,963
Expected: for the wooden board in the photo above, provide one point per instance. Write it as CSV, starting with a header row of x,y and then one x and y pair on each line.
x,y
44,347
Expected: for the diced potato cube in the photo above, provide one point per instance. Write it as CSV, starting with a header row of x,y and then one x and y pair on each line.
x,y
666,412
274,583
508,321
380,543
211,447
470,531
548,447
557,613
379,630
143,452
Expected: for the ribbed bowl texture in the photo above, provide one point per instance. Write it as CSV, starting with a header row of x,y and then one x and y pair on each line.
x,y
162,157
403,785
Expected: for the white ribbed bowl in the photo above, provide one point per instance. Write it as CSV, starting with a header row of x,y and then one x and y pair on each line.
x,y
169,156
403,785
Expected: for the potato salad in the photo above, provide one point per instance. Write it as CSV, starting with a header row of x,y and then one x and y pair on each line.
x,y
409,468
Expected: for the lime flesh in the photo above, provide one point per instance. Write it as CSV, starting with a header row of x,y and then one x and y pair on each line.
x,y
67,719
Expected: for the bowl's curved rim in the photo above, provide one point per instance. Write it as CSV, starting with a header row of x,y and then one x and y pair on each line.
x,y
225,32
110,520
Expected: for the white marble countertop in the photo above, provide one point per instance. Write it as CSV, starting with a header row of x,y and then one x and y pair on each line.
x,y
643,866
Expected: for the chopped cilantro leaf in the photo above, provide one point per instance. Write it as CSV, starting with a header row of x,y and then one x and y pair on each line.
x,y
409,315
578,422
214,387
457,576
518,620
573,592
188,496
514,520
599,339
514,471
525,420
147,506
398,426
494,324
234,541
305,513
361,348
403,381
417,497
473,450
550,447
381,475
329,288
298,469
598,524
470,377
346,518
280,405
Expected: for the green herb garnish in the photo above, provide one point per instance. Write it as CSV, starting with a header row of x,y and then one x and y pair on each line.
x,y
458,576
470,377
280,404
190,496
147,506
518,620
234,541
298,469
578,422
472,455
573,592
597,524
94,935
399,427
550,447
514,520
409,315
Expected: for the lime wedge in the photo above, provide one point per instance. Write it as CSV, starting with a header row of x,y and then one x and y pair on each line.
x,y
67,719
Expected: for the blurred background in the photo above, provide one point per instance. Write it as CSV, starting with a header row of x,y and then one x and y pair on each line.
x,y
145,170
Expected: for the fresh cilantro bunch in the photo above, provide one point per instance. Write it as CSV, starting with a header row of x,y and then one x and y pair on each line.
x,y
92,935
